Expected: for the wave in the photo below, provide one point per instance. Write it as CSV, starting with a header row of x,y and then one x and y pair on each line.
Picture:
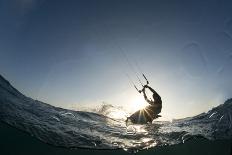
x,y
101,130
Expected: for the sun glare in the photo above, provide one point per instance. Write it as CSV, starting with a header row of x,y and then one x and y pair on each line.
x,y
137,104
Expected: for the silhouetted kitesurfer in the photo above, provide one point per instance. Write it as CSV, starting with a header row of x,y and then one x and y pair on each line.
x,y
155,105
156,98
149,113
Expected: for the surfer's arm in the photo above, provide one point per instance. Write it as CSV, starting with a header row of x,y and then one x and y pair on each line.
x,y
145,97
152,90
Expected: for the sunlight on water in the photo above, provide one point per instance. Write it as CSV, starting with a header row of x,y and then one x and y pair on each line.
x,y
117,114
101,129
136,129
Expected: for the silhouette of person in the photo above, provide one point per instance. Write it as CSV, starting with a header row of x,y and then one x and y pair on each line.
x,y
150,112
155,105
156,98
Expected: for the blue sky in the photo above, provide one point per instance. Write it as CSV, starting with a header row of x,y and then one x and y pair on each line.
x,y
73,52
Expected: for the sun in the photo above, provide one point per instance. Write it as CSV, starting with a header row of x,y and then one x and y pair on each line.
x,y
137,103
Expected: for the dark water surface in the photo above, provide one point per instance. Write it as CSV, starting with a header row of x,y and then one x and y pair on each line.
x,y
14,141
77,129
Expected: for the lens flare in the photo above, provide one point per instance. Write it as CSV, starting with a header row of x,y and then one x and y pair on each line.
x,y
137,104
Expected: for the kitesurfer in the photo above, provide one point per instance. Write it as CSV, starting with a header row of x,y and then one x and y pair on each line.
x,y
155,105
156,98
150,112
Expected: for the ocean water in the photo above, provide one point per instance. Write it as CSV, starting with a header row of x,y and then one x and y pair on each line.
x,y
80,129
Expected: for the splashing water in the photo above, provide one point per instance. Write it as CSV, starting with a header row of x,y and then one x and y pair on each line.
x,y
72,129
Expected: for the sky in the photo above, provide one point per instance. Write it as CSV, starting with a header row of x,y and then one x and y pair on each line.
x,y
72,53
